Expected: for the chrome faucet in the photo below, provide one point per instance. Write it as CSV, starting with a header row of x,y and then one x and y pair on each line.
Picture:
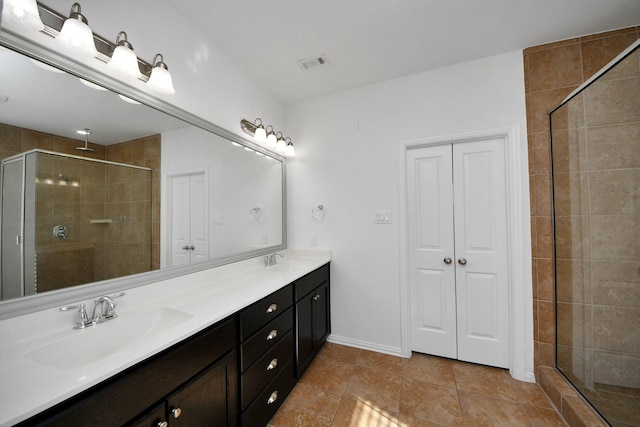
x,y
104,309
271,259
84,320
107,309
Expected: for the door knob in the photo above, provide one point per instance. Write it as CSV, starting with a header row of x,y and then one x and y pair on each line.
x,y
462,261
447,260
185,247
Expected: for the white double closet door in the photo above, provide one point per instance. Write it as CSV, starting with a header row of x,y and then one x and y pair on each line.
x,y
456,195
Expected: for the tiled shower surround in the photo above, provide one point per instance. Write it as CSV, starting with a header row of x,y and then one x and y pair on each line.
x,y
104,192
594,218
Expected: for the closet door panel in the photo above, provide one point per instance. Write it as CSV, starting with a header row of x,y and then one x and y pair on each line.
x,y
430,207
481,252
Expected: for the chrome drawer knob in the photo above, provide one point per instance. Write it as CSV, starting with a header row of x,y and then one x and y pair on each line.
x,y
273,397
176,412
316,297
272,335
272,308
272,365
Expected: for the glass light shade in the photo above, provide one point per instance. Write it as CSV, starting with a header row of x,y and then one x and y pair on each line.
x,y
260,134
160,80
21,15
271,139
289,151
281,145
76,36
124,60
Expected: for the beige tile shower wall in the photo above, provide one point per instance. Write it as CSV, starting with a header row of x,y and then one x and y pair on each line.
x,y
553,71
78,266
140,194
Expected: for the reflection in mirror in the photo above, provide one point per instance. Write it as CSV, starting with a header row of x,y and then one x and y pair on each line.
x,y
82,220
192,205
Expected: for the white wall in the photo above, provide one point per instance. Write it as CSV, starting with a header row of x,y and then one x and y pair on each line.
x,y
347,147
237,181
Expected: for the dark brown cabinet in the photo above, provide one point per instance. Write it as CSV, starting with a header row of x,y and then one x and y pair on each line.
x,y
266,356
239,370
313,319
200,402
198,376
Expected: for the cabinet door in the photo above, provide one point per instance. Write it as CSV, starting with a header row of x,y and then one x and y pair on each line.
x,y
304,332
321,318
209,400
155,418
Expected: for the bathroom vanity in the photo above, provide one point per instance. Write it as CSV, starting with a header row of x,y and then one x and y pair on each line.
x,y
219,347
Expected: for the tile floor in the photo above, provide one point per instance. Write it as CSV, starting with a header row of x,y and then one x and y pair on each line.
x,y
349,387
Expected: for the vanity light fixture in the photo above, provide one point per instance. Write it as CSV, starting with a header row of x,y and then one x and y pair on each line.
x,y
76,35
274,141
22,14
124,61
259,133
271,137
160,79
77,39
289,151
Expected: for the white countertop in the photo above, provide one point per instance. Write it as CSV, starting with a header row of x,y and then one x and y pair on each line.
x,y
202,299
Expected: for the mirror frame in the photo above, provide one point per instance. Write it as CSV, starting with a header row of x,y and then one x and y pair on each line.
x,y
30,304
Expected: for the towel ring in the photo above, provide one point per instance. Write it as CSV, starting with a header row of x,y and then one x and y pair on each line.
x,y
318,213
255,214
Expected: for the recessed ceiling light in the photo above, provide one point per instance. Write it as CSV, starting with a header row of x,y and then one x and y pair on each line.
x,y
129,100
92,85
46,66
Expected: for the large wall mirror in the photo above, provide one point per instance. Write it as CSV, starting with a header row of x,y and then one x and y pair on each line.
x,y
148,192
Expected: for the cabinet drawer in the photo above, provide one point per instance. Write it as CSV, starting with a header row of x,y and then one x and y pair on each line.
x,y
306,284
268,308
266,369
265,338
268,402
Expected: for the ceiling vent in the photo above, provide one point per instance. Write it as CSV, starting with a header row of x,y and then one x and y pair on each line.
x,y
313,63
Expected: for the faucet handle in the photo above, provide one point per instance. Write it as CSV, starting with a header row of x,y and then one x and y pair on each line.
x,y
84,317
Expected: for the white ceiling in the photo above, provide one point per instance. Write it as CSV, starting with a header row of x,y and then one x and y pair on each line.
x,y
368,41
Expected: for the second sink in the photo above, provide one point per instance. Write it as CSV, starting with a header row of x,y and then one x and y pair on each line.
x,y
94,343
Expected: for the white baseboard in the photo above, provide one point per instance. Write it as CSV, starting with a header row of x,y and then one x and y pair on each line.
x,y
365,345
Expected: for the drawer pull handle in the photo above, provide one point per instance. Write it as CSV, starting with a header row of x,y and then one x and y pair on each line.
x,y
272,365
272,308
162,424
272,335
176,412
273,397
316,297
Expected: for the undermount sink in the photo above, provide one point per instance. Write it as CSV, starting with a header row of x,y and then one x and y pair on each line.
x,y
293,264
88,345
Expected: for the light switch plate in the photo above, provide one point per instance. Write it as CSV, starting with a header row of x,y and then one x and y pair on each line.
x,y
382,217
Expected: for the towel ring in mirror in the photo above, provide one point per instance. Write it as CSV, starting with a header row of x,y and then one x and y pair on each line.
x,y
318,212
255,214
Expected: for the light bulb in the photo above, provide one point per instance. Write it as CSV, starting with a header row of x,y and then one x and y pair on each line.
x,y
260,134
76,36
124,61
289,150
160,80
21,15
